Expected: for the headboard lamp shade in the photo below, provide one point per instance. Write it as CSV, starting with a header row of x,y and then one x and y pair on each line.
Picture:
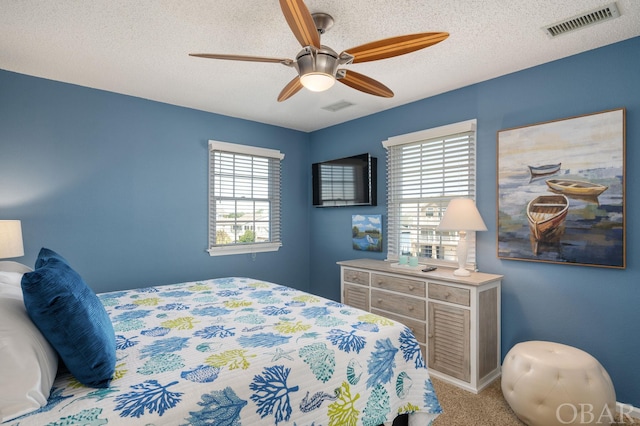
x,y
10,239
462,216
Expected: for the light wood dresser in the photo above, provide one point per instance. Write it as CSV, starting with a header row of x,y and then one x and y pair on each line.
x,y
455,319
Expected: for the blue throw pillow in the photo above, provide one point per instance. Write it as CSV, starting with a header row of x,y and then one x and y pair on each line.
x,y
45,255
72,318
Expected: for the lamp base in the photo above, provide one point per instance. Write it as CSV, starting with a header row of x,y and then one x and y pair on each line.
x,y
461,272
461,252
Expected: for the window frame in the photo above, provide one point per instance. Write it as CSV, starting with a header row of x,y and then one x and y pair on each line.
x,y
447,240
274,198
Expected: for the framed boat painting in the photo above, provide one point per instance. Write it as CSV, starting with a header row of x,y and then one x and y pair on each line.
x,y
561,191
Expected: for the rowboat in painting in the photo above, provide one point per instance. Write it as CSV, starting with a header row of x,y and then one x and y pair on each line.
x,y
576,187
547,169
546,215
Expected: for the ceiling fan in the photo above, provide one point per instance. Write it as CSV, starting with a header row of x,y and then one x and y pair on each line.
x,y
317,65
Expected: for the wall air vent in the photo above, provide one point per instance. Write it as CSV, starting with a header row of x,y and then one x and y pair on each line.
x,y
338,106
595,16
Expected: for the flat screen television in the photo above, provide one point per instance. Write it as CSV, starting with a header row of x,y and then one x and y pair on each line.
x,y
349,181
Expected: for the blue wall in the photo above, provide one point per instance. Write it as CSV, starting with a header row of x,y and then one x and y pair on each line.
x,y
595,309
118,186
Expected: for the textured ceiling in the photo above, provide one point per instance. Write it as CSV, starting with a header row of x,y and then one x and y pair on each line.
x,y
141,47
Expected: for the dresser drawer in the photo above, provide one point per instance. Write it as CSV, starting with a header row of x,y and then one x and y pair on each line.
x,y
419,329
459,296
356,296
402,285
357,277
399,304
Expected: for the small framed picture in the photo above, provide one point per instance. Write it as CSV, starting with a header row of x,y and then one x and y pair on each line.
x,y
366,232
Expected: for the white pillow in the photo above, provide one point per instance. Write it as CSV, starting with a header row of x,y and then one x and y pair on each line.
x,y
28,364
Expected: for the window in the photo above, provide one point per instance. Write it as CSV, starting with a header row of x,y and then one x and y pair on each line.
x,y
425,170
244,199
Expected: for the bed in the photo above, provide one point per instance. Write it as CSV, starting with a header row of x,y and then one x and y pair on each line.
x,y
241,351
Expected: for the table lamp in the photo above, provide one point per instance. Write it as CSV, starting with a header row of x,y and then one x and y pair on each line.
x,y
462,215
11,246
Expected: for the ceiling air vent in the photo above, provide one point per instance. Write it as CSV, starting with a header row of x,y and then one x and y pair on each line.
x,y
595,16
337,106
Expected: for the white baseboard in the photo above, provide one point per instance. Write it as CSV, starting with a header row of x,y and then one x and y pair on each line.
x,y
627,410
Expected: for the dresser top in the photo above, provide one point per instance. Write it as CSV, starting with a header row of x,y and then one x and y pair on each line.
x,y
442,273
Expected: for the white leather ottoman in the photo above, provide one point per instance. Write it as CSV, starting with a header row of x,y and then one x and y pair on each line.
x,y
548,384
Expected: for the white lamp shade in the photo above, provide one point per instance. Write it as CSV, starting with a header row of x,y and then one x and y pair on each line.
x,y
11,239
462,215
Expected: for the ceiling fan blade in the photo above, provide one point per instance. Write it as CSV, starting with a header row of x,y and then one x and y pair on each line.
x,y
394,46
290,89
282,61
363,83
300,22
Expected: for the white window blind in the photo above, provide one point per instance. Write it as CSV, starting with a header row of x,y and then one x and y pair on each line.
x,y
244,199
425,170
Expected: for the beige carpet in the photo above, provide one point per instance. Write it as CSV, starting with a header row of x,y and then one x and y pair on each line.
x,y
488,408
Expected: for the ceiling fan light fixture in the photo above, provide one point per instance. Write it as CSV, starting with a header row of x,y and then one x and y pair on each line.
x,y
317,81
317,68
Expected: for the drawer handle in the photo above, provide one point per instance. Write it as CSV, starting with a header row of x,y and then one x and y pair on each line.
x,y
379,300
411,308
411,288
447,295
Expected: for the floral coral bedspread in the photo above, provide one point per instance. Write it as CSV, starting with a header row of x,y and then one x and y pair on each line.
x,y
238,351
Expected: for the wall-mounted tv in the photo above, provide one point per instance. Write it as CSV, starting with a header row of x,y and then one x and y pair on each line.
x,y
349,181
